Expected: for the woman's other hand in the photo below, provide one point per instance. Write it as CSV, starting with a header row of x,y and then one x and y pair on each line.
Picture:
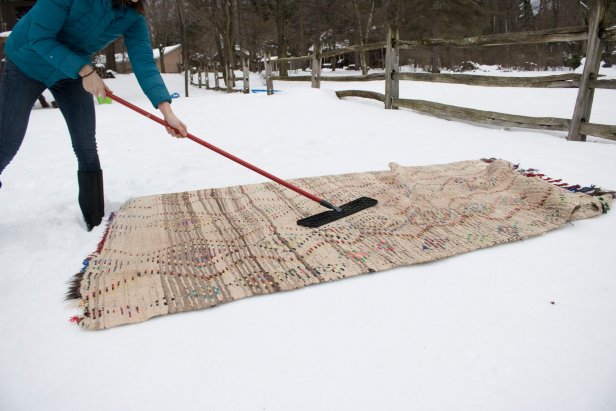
x,y
174,122
92,82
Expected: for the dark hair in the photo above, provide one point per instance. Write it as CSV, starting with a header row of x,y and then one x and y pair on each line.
x,y
138,6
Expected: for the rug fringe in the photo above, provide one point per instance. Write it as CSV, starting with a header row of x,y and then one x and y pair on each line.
x,y
74,284
591,190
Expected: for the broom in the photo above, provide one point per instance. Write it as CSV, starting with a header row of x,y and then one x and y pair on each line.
x,y
335,213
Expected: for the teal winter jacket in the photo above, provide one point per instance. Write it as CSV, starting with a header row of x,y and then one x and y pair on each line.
x,y
56,38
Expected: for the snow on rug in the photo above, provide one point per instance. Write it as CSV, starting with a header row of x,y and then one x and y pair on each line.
x,y
186,251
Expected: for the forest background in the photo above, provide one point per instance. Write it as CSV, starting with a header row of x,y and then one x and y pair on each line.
x,y
224,31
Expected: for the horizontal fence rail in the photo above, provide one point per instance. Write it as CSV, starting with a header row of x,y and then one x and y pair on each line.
x,y
525,37
291,59
369,77
609,34
608,84
333,53
353,49
449,112
600,130
362,93
569,80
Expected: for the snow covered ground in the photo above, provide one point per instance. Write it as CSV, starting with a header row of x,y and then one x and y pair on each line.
x,y
523,326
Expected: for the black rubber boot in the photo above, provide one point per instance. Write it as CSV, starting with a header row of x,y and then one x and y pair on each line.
x,y
91,197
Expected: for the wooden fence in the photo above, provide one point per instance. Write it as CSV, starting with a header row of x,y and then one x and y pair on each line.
x,y
577,127
200,77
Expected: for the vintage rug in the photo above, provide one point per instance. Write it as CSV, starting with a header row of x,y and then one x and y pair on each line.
x,y
186,251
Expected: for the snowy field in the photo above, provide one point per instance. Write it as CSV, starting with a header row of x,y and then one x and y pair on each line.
x,y
524,326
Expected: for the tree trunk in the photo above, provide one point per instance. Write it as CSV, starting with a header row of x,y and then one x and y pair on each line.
x,y
110,57
527,10
555,9
435,60
334,58
185,64
161,57
282,40
229,45
364,62
363,36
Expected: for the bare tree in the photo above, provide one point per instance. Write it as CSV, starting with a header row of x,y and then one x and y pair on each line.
x,y
110,57
281,11
364,31
221,15
162,16
186,66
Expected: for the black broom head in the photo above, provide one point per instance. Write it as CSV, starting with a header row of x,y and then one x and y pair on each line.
x,y
346,210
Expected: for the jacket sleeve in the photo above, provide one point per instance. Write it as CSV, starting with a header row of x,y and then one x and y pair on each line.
x,y
137,40
48,17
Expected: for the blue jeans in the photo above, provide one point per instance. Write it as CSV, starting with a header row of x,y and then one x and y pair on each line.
x,y
18,93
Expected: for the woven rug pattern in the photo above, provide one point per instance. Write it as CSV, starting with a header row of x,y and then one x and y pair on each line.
x,y
186,251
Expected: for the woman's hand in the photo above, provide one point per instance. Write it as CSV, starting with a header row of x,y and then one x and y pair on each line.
x,y
173,121
92,82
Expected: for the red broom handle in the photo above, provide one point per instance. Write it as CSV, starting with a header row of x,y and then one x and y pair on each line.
x,y
220,151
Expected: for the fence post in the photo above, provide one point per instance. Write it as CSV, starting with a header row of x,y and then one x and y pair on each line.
x,y
216,83
200,76
392,67
268,74
246,76
583,104
232,77
229,77
316,65
207,77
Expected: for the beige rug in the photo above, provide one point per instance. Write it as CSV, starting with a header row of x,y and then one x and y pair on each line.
x,y
177,252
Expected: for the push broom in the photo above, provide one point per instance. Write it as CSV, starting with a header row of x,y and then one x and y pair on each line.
x,y
314,221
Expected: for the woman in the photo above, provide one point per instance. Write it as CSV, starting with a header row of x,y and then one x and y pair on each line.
x,y
51,47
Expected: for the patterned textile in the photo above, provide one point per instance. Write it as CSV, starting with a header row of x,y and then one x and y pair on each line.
x,y
186,251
